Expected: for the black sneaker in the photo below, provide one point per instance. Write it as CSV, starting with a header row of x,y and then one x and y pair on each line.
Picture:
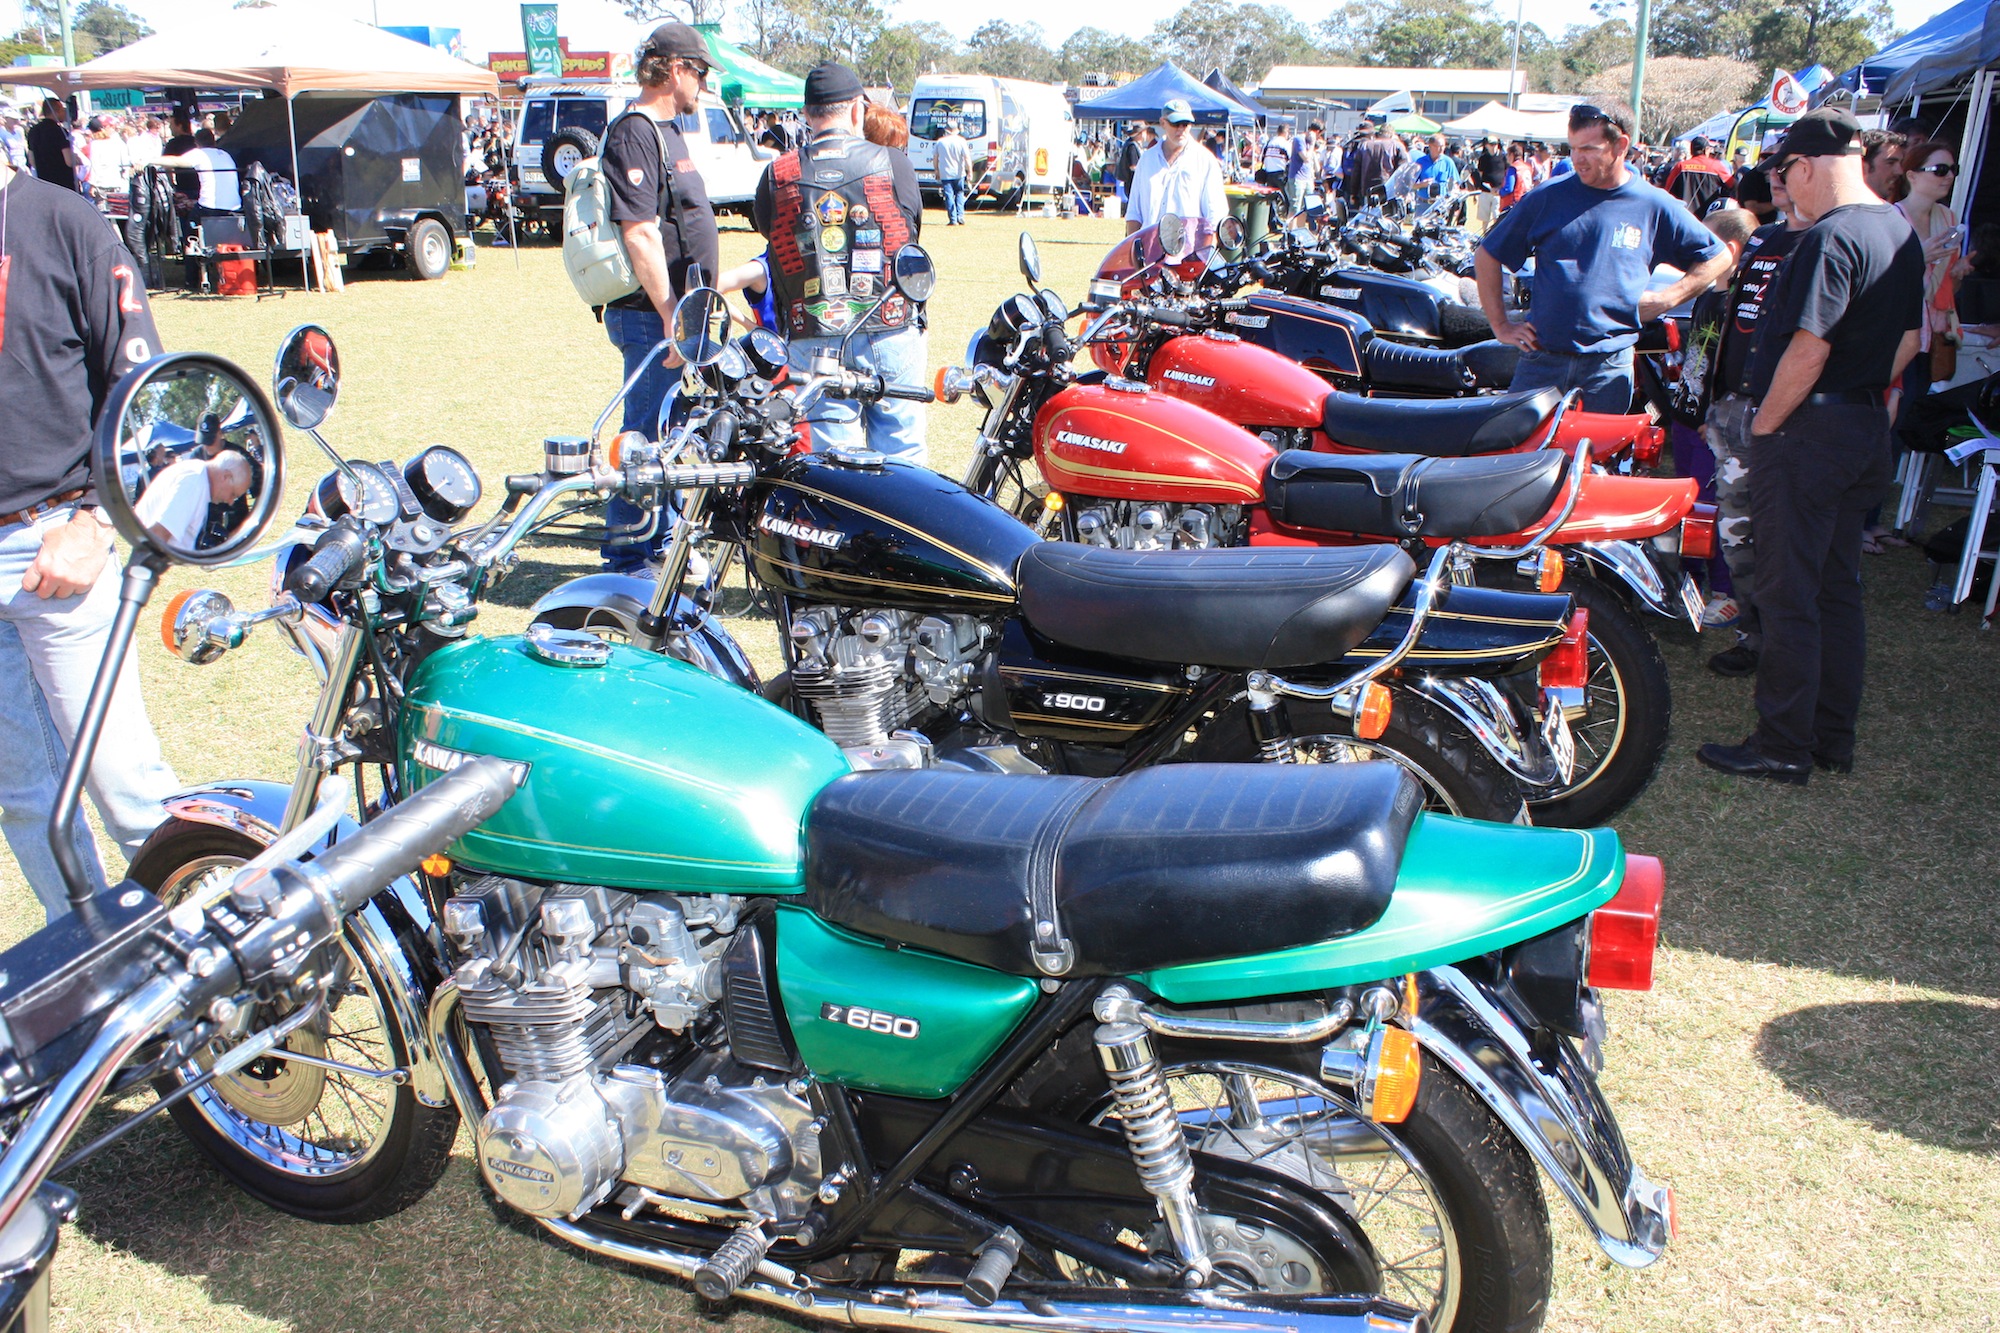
x,y
1747,761
1740,660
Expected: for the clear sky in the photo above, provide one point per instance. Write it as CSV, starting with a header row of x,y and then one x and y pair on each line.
x,y
1057,17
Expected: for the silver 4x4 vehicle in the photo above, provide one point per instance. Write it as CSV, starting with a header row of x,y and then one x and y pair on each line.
x,y
562,123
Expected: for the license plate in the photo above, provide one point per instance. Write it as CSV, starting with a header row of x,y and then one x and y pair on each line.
x,y
1691,601
1556,736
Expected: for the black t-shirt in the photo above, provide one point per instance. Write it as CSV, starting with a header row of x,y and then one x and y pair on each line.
x,y
46,141
186,179
1493,169
1856,279
642,190
73,318
1761,260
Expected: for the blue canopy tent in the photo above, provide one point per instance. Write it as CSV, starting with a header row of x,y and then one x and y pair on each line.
x,y
1143,98
1223,84
1964,38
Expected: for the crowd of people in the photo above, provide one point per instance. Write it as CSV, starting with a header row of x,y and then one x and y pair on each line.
x,y
99,157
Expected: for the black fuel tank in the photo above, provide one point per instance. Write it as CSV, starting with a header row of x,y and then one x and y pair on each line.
x,y
882,534
1391,303
1319,337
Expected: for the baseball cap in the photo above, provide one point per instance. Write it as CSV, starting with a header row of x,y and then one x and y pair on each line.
x,y
1827,132
830,84
676,41
1177,112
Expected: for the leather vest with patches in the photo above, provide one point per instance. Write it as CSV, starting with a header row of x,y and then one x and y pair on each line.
x,y
835,230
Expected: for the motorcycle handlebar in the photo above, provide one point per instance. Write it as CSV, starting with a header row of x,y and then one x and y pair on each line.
x,y
339,552
914,393
1176,318
524,483
396,842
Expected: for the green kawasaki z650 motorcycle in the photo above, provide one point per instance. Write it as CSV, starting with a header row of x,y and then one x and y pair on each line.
x,y
1246,1047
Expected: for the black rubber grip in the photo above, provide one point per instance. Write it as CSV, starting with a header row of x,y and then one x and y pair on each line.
x,y
524,483
915,393
395,842
338,553
1177,318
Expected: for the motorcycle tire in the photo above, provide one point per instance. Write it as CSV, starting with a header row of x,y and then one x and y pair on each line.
x,y
413,1145
1457,775
1631,701
563,151
1482,1183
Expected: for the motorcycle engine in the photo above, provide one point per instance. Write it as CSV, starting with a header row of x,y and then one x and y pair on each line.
x,y
869,673
589,998
1132,525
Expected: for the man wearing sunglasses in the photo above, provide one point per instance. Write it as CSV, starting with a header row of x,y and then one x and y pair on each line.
x,y
661,207
1837,329
1595,236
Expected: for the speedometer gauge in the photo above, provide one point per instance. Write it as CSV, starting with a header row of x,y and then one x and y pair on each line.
x,y
444,483
370,495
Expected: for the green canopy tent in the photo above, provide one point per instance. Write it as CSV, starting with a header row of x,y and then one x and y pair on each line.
x,y
742,80
1414,124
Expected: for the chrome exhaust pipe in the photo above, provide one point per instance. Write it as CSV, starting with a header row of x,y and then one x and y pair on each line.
x,y
946,1310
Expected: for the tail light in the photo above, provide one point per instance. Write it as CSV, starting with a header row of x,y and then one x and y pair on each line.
x,y
1647,444
1698,532
1567,667
1625,931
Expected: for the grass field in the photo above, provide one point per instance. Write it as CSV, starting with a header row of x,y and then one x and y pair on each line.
x,y
1817,1070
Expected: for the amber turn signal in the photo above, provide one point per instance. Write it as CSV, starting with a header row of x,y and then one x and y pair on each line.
x,y
1550,576
1053,502
1371,714
169,616
614,453
1398,1070
437,865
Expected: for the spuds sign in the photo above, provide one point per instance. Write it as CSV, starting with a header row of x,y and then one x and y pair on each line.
x,y
512,66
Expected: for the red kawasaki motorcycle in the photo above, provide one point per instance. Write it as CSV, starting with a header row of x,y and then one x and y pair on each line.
x,y
1115,462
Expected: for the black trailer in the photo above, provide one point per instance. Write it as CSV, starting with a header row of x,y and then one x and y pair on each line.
x,y
384,173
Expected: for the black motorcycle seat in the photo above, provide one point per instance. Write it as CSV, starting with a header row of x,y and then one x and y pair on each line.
x,y
1237,610
1439,427
1178,864
1407,366
1408,495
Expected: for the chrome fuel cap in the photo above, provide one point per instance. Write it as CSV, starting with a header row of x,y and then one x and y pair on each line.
x,y
566,647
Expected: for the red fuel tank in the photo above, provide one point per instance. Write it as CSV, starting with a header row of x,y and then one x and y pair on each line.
x,y
1238,381
1138,444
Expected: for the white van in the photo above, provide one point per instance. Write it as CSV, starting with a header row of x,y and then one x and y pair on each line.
x,y
1011,125
562,122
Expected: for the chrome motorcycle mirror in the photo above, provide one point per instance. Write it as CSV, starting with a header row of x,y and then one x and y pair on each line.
x,y
1031,260
189,461
1229,233
305,380
1173,236
916,275
701,326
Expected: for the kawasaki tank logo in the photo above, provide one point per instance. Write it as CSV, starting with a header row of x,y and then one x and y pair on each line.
x,y
501,1167
1090,442
1341,293
1199,381
440,760
801,532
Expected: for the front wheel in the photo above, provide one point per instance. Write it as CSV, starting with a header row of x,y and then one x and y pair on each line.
x,y
1455,773
321,1144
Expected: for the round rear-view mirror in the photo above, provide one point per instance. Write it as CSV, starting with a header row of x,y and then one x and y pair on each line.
x,y
1229,232
1173,233
188,458
1031,260
701,326
915,274
305,381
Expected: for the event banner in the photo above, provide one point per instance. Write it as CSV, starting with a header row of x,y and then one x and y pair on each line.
x,y
538,30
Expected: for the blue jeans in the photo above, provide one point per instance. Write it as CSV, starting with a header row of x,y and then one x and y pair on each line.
x,y
954,199
49,651
1604,377
636,536
892,427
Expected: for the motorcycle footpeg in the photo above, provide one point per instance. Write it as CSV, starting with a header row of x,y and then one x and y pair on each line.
x,y
733,1262
993,1267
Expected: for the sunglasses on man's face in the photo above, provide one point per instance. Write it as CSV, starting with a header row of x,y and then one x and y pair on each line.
x,y
1943,170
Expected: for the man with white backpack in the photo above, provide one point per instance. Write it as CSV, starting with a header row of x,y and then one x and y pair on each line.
x,y
661,207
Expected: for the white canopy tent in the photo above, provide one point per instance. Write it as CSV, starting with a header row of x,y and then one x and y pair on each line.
x,y
1503,122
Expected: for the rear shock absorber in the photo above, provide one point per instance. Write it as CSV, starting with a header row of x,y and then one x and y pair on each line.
x,y
1271,727
1153,1136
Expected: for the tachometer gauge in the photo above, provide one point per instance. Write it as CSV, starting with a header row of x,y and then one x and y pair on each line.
x,y
444,483
373,501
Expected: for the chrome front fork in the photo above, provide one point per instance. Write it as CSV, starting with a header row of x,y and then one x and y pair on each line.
x,y
1153,1135
323,747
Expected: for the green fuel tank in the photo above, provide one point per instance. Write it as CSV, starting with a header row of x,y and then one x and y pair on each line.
x,y
642,772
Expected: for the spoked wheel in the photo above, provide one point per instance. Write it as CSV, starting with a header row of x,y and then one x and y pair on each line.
x,y
1455,773
329,1145
1447,1202
1622,737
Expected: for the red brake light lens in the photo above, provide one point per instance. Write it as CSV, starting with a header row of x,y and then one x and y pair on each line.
x,y
1567,667
1625,931
1646,446
1698,532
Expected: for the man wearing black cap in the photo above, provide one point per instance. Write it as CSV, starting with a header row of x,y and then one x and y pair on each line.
x,y
1837,329
661,206
836,210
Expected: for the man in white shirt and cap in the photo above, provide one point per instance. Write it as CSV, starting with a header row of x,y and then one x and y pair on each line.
x,y
174,507
1178,176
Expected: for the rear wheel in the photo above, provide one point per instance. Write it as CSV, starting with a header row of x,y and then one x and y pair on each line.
x,y
1622,739
1455,773
320,1144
